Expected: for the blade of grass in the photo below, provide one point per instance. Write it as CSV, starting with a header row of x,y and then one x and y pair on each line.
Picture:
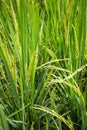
x,y
3,119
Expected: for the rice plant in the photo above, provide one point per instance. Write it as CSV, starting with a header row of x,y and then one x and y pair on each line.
x,y
43,55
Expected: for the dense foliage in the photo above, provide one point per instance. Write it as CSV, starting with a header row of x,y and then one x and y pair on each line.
x,y
43,70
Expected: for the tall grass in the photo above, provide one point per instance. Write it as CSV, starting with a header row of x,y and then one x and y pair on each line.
x,y
43,64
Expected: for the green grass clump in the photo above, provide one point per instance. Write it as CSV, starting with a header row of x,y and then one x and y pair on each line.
x,y
43,55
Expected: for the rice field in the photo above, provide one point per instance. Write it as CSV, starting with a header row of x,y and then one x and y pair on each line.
x,y
43,64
